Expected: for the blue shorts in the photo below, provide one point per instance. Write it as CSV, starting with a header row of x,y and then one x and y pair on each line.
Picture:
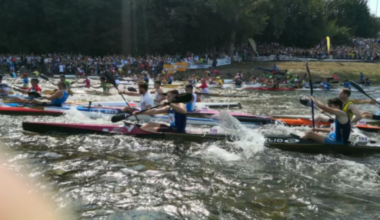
x,y
329,140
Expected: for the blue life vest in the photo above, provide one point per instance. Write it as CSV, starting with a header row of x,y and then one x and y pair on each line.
x,y
342,131
146,79
190,106
326,86
60,101
178,123
347,85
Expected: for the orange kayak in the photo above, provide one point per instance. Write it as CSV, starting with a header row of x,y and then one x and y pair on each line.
x,y
301,122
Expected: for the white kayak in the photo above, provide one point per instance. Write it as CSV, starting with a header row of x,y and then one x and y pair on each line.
x,y
100,113
198,105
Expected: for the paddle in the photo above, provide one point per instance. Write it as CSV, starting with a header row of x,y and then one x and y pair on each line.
x,y
311,92
307,102
182,98
111,79
356,86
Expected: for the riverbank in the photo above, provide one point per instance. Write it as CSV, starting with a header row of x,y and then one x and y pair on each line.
x,y
346,70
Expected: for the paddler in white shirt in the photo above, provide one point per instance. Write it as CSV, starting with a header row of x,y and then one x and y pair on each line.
x,y
159,92
146,100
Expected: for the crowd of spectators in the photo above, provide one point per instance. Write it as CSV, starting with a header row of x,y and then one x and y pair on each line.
x,y
361,49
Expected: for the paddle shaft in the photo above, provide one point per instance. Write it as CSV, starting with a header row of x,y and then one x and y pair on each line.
x,y
311,93
111,79
360,89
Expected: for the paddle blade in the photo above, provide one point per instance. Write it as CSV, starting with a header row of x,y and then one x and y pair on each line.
x,y
183,98
356,86
34,94
110,78
44,77
131,89
119,117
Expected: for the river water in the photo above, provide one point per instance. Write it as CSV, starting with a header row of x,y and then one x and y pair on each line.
x,y
120,177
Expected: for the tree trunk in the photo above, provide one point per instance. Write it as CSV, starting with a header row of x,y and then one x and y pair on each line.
x,y
232,44
233,37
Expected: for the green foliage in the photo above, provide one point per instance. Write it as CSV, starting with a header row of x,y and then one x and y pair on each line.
x,y
140,27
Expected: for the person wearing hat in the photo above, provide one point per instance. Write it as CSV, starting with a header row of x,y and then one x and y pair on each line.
x,y
104,85
25,81
203,86
219,81
63,79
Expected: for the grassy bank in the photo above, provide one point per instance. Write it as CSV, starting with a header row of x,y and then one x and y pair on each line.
x,y
344,70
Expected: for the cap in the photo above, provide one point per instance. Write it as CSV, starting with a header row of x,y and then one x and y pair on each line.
x,y
218,77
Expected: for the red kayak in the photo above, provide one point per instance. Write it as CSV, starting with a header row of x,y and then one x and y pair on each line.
x,y
268,89
4,110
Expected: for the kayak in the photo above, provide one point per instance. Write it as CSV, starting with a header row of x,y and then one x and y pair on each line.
x,y
305,120
332,90
199,117
294,143
6,110
268,89
198,105
286,143
222,95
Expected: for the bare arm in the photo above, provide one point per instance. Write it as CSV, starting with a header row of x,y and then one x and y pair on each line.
x,y
130,93
357,115
337,112
179,107
362,101
57,94
155,111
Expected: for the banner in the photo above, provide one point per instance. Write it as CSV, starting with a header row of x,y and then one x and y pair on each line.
x,y
253,45
328,45
169,68
181,67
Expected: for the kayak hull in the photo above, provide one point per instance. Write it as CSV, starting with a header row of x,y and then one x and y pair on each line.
x,y
20,111
286,143
128,129
296,144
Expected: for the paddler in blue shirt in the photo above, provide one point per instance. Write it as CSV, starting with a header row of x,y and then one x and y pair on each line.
x,y
347,84
58,98
340,130
177,116
190,106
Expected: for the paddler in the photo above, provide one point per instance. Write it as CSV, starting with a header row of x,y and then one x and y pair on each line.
x,y
367,82
159,92
362,77
177,116
146,78
287,76
63,79
34,88
347,84
218,81
104,85
340,130
86,82
238,79
348,106
25,81
58,98
170,79
203,86
325,84
368,114
190,106
146,100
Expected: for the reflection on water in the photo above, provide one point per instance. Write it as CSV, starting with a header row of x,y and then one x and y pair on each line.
x,y
118,177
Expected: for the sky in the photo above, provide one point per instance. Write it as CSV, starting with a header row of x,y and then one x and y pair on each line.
x,y
372,6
